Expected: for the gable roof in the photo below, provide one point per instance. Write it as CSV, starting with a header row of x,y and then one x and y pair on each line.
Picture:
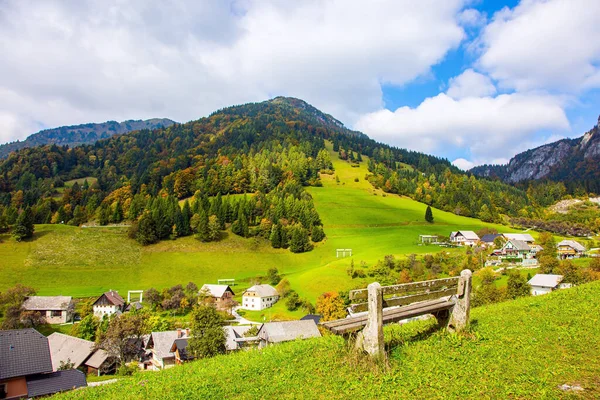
x,y
180,345
23,352
112,297
276,332
469,235
216,290
546,280
232,333
67,348
518,244
59,381
97,359
572,244
162,342
525,237
490,237
42,303
263,290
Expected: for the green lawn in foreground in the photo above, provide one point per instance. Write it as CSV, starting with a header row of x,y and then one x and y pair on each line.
x,y
87,261
523,349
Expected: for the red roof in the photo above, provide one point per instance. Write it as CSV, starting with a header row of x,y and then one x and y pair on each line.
x,y
113,298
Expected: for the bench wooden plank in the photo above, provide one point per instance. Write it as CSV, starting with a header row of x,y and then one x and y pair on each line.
x,y
361,294
390,315
404,300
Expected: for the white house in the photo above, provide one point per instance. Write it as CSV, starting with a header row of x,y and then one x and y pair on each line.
x,y
108,304
259,297
546,283
464,238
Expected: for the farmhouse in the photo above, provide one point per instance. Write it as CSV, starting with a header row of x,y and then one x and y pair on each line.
x,y
235,337
160,345
570,249
546,283
108,304
26,367
524,237
277,332
259,297
81,353
55,309
517,249
464,238
222,295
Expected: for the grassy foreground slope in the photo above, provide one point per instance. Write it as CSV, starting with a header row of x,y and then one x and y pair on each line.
x,y
518,349
86,261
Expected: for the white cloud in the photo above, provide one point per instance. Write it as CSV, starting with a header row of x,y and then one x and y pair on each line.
x,y
472,18
544,45
463,164
470,84
490,128
65,63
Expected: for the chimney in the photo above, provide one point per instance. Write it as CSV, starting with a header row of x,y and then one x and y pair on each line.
x,y
179,333
187,332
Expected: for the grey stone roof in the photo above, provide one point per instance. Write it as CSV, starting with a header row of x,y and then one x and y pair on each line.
x,y
161,342
263,290
97,359
275,332
59,381
519,245
232,333
67,348
41,303
23,352
546,280
525,237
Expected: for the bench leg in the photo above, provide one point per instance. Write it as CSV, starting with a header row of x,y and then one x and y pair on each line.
x,y
461,311
443,318
370,339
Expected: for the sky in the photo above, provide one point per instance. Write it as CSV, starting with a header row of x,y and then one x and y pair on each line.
x,y
474,81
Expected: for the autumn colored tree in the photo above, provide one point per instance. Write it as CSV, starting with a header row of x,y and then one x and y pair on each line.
x,y
331,306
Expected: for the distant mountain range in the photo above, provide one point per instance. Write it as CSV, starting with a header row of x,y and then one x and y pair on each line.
x,y
82,134
567,160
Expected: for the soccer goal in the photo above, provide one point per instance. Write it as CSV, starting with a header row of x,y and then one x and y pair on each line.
x,y
137,295
343,253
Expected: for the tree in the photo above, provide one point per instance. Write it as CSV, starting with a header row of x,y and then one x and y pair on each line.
x,y
152,297
429,215
517,285
86,328
283,287
331,306
146,233
24,228
203,233
548,264
317,234
214,228
273,276
31,319
275,236
208,337
123,335
569,271
293,301
299,243
11,301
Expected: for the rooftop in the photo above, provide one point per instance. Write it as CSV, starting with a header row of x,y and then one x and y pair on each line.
x,y
41,303
546,280
525,237
275,332
573,244
263,290
23,352
67,348
55,382
216,290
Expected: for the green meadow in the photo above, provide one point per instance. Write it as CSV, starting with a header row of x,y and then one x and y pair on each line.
x,y
81,261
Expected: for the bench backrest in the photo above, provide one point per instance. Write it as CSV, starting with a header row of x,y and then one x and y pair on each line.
x,y
407,293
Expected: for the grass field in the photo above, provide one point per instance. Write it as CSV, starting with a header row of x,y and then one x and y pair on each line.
x,y
523,349
87,261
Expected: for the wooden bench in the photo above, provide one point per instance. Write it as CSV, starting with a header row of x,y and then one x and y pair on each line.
x,y
447,299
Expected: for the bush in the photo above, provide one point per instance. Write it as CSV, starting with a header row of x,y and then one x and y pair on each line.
x,y
293,301
356,179
128,369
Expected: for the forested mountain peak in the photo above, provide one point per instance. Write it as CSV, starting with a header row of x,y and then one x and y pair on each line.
x,y
82,134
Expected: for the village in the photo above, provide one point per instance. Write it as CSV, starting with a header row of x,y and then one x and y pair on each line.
x,y
37,365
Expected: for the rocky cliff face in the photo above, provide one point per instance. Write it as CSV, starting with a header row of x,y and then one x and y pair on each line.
x,y
565,159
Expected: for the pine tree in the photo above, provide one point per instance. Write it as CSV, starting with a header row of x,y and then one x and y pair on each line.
x,y
299,242
203,230
186,215
146,233
24,228
117,214
317,233
214,228
429,215
275,236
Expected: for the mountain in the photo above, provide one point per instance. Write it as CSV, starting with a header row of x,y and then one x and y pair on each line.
x,y
573,161
82,134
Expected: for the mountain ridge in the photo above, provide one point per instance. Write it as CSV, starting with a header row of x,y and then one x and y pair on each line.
x,y
74,135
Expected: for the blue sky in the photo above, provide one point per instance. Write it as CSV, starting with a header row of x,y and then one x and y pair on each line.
x,y
475,81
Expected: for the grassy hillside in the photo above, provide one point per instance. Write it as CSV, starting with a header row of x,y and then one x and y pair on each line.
x,y
518,349
86,261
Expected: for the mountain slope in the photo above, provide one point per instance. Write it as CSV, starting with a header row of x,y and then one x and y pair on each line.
x,y
75,135
567,160
522,349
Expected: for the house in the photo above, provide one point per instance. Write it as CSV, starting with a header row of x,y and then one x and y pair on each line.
x,y
516,249
523,237
277,332
464,238
81,353
160,345
26,367
135,306
312,317
546,283
259,297
488,239
222,295
108,304
236,339
55,309
570,249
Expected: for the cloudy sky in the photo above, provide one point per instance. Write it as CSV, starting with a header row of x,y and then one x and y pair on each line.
x,y
472,81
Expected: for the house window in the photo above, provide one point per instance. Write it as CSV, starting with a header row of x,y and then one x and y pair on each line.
x,y
3,391
55,313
